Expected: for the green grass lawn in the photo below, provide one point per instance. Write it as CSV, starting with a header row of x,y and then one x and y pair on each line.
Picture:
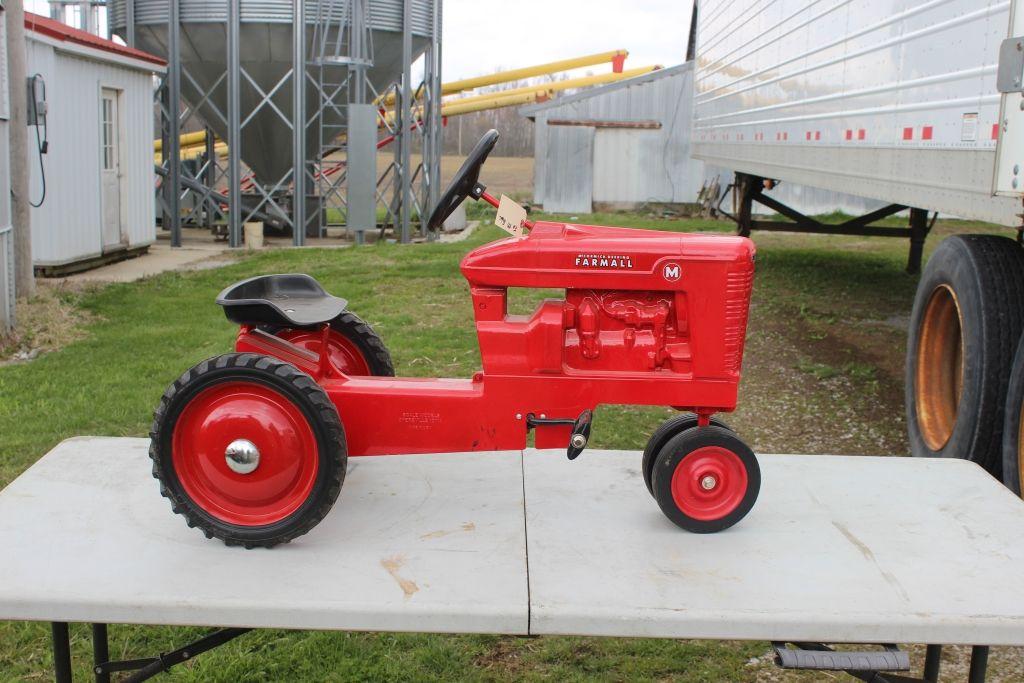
x,y
822,374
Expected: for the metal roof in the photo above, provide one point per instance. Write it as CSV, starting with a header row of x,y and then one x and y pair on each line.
x,y
64,33
531,110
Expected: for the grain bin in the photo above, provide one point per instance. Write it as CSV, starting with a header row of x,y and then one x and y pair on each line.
x,y
266,58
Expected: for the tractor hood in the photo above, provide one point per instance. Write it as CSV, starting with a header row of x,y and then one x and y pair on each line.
x,y
563,255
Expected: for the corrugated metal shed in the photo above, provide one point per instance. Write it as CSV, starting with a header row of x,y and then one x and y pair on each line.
x,y
99,178
622,144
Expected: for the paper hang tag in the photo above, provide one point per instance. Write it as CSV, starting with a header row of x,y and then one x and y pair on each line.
x,y
511,217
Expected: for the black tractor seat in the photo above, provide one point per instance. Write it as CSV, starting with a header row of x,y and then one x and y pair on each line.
x,y
290,300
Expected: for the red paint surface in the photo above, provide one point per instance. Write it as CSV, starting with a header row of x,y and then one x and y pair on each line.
x,y
647,318
926,133
908,133
247,410
345,356
54,29
730,483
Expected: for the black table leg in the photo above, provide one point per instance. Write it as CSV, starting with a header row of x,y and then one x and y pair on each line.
x,y
979,664
61,651
100,652
932,658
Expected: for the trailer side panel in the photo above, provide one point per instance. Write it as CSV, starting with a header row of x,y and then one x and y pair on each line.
x,y
894,100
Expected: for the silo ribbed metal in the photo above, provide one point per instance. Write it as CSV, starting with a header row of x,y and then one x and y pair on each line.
x,y
265,41
237,61
385,15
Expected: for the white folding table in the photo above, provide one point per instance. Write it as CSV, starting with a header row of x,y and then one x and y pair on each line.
x,y
837,549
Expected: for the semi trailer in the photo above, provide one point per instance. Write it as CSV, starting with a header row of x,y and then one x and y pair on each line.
x,y
918,105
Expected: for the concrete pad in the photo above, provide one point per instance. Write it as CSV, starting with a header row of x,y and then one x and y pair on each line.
x,y
160,258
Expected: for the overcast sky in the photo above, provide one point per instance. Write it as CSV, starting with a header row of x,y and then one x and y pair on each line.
x,y
482,35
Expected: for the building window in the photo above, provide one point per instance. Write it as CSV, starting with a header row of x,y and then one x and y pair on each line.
x,y
107,132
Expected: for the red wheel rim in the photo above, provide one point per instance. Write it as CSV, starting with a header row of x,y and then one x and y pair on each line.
x,y
345,355
709,483
288,454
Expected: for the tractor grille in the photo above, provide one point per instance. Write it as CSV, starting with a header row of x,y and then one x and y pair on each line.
x,y
737,305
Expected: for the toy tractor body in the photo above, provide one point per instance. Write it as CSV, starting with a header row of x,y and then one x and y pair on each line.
x,y
251,446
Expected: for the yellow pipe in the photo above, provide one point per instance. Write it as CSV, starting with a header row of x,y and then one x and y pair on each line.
x,y
530,71
525,72
187,140
194,144
494,101
192,151
554,86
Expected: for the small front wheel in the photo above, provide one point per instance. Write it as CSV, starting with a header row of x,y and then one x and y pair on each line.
x,y
706,479
661,436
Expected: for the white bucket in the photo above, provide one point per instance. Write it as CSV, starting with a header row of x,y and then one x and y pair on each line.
x,y
254,235
457,220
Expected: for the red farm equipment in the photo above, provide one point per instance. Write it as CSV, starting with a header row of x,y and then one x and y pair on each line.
x,y
251,446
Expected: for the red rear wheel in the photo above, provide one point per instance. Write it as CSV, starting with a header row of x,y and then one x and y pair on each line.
x,y
354,347
271,427
345,355
706,479
249,449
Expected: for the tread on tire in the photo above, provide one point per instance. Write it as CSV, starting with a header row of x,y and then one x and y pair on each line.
x,y
304,393
956,385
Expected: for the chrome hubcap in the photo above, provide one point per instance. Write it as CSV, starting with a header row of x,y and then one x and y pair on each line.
x,y
242,456
708,482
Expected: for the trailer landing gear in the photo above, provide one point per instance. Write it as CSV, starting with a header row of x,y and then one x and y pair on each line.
x,y
748,189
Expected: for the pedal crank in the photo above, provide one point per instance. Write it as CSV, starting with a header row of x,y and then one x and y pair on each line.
x,y
580,430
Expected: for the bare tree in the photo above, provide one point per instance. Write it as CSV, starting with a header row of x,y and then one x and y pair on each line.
x,y
516,130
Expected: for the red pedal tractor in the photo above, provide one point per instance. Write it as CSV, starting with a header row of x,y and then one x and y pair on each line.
x,y
251,446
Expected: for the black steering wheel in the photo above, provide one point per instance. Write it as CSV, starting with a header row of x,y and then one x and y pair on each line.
x,y
464,184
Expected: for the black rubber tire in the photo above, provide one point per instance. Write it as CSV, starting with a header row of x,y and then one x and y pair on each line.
x,y
986,275
1013,465
680,446
359,332
662,434
307,396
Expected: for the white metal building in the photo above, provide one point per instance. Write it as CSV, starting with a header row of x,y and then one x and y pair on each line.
x,y
97,172
619,145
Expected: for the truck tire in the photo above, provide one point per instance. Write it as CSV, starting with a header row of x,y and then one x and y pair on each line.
x,y
1013,437
964,328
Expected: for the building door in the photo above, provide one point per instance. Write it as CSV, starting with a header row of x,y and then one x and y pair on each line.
x,y
629,167
568,180
110,170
